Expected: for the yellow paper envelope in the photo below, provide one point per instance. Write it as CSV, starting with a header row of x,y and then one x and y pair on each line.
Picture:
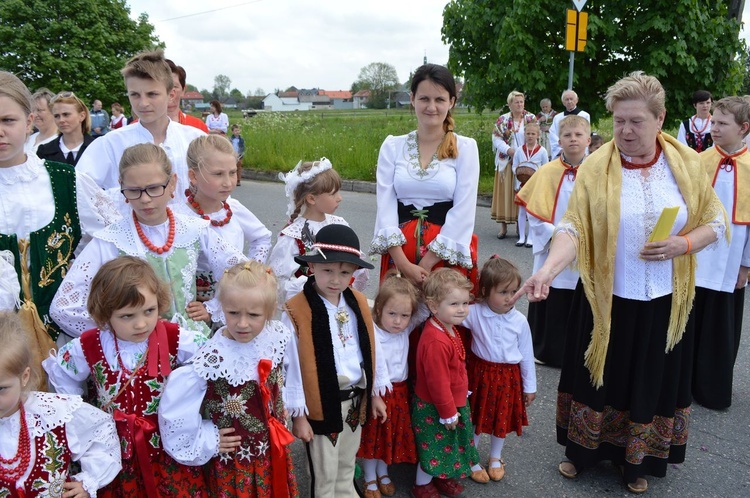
x,y
664,226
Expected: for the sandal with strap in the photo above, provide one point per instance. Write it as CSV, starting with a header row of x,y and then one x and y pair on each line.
x,y
496,473
371,493
386,489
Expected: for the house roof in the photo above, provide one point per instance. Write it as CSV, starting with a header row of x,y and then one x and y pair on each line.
x,y
293,94
318,99
289,100
193,95
362,93
336,94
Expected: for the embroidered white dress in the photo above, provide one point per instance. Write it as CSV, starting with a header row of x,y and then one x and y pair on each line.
x,y
400,177
530,158
187,436
395,347
91,441
194,245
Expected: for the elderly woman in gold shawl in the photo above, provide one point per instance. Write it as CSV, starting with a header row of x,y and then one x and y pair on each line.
x,y
624,392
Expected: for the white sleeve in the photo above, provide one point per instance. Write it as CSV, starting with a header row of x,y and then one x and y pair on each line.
x,y
387,233
98,161
224,122
382,382
10,289
93,442
453,241
186,436
544,156
283,265
294,392
526,347
554,140
682,134
68,307
257,236
361,277
68,370
745,260
498,144
96,209
218,255
541,231
516,162
190,342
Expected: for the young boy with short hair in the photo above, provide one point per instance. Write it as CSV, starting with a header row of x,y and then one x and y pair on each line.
x,y
546,197
342,368
721,273
148,80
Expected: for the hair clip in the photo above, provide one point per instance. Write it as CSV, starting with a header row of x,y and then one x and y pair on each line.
x,y
495,256
268,270
398,274
247,267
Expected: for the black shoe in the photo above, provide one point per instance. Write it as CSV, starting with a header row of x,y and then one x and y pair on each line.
x,y
529,245
501,235
520,243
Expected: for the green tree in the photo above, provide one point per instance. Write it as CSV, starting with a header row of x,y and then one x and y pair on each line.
x,y
221,85
380,78
502,46
191,88
78,45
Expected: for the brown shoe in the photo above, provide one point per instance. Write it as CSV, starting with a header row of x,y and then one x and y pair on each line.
x,y
496,473
639,486
480,476
371,493
425,491
386,489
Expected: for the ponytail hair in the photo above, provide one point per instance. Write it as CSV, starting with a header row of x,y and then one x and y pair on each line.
x,y
440,75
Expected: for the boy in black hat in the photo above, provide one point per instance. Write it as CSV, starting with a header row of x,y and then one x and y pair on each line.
x,y
339,358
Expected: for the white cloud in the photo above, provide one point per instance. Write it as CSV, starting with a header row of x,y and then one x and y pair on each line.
x,y
278,43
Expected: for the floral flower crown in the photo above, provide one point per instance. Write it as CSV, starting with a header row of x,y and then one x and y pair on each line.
x,y
294,178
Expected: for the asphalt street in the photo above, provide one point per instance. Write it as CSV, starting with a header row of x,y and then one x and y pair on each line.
x,y
718,456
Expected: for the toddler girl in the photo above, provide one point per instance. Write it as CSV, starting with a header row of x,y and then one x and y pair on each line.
x,y
212,171
396,313
175,245
531,155
128,358
440,412
312,189
41,433
502,378
225,407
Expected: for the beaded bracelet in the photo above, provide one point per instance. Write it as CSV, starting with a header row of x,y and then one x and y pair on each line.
x,y
690,245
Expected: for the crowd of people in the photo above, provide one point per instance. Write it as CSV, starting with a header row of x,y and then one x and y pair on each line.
x,y
154,342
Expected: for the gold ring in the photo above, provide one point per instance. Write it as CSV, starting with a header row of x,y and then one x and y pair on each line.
x,y
663,256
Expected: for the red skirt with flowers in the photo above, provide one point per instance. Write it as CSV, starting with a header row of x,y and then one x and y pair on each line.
x,y
243,474
172,480
414,252
496,397
392,441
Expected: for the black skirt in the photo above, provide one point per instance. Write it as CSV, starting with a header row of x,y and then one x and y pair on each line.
x,y
717,319
548,321
639,417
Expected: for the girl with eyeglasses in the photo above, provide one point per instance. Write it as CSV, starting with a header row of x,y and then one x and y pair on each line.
x,y
174,244
74,122
45,209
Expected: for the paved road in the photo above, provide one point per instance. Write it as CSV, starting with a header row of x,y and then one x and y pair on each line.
x,y
718,460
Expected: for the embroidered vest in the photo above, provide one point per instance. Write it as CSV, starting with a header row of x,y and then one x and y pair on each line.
x,y
51,247
50,470
241,407
697,142
141,398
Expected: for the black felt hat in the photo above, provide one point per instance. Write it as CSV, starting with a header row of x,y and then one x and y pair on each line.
x,y
335,244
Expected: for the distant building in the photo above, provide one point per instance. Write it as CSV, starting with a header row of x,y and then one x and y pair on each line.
x,y
273,102
191,99
359,99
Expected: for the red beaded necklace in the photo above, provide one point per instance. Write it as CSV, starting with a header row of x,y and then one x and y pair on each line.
x,y
628,165
10,472
191,200
146,242
139,367
455,339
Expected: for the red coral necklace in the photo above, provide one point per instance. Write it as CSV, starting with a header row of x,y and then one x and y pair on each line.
x,y
150,245
455,339
10,471
191,200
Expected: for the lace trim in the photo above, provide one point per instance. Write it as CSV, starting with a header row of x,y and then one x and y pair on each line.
x,y
123,235
45,412
415,168
224,358
452,255
382,242
25,172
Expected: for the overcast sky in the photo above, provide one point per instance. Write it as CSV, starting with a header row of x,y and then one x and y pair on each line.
x,y
273,44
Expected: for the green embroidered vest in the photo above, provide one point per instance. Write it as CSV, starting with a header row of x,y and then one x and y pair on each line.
x,y
51,247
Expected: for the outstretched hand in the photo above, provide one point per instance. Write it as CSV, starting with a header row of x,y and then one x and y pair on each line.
x,y
536,288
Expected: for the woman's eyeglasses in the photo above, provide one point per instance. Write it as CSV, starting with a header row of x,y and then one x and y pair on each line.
x,y
152,191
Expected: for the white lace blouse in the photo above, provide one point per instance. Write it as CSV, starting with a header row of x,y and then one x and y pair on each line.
x,y
192,440
91,434
400,177
68,307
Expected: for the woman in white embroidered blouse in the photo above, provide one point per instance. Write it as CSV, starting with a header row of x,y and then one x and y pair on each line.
x,y
427,187
631,306
217,121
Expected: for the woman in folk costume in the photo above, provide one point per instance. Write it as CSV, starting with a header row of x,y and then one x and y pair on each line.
x,y
45,209
507,138
624,392
427,187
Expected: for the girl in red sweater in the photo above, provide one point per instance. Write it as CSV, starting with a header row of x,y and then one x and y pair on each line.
x,y
440,413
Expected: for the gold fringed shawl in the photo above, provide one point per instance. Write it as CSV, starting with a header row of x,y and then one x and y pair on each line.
x,y
594,210
539,194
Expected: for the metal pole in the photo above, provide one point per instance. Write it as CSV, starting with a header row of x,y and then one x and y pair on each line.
x,y
570,70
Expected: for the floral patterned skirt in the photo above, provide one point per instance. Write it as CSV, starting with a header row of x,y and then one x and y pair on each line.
x,y
496,397
172,480
443,453
392,441
233,476
414,251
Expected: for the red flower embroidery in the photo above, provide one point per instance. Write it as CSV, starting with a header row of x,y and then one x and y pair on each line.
x,y
433,462
439,436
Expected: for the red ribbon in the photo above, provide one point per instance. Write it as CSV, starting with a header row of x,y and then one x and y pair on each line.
x,y
278,434
139,428
158,352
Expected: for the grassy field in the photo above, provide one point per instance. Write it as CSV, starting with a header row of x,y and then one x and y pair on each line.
x,y
276,141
